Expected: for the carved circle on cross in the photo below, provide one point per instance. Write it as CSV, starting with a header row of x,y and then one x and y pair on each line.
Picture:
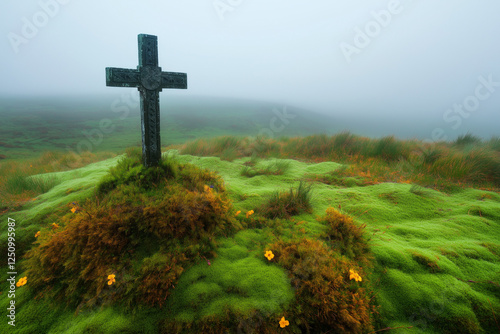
x,y
151,77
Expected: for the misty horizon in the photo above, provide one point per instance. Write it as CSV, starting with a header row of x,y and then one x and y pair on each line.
x,y
403,62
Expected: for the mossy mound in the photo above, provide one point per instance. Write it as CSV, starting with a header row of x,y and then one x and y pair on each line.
x,y
330,290
145,236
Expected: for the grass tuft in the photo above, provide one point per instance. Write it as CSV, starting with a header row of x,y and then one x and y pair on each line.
x,y
277,167
467,139
287,204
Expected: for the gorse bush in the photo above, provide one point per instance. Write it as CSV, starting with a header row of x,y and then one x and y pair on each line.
x,y
286,204
145,236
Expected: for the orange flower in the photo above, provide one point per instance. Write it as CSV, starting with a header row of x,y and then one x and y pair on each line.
x,y
269,254
354,275
284,323
73,210
55,226
237,213
37,234
22,281
249,213
111,279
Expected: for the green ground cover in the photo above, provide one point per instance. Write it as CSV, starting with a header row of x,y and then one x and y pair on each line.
x,y
436,266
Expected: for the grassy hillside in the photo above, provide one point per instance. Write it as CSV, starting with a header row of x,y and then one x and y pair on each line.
x,y
99,124
418,224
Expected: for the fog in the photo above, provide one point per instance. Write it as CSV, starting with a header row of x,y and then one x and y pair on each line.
x,y
392,61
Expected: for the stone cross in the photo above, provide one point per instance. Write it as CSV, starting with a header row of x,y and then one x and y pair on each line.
x,y
150,81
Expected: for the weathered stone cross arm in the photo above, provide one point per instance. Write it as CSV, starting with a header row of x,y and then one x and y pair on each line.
x,y
148,74
122,77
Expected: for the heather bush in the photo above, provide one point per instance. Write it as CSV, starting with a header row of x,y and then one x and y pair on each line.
x,y
329,299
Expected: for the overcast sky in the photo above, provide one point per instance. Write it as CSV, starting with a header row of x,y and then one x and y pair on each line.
x,y
390,57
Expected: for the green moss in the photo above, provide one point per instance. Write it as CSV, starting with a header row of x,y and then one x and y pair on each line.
x,y
410,234
240,283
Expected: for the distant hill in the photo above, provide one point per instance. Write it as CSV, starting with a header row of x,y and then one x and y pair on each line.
x,y
32,125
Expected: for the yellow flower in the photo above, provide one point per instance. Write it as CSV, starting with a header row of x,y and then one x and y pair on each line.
x,y
22,281
249,213
37,234
111,279
237,213
269,254
54,226
73,210
354,275
284,323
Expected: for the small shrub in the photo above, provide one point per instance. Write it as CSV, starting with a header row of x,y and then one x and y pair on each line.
x,y
248,172
286,204
327,299
345,236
